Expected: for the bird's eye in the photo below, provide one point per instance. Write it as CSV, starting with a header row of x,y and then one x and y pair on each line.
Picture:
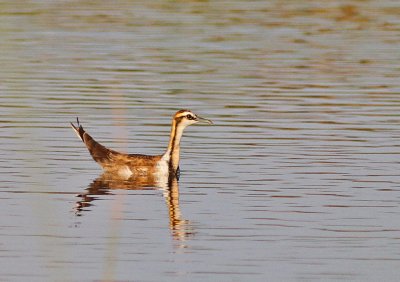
x,y
190,117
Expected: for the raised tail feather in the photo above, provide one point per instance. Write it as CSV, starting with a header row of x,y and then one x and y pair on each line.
x,y
99,153
78,130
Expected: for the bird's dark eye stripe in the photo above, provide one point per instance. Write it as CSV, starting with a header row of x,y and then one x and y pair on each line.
x,y
190,117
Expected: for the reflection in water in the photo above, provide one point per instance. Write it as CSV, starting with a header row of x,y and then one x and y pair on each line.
x,y
180,228
302,166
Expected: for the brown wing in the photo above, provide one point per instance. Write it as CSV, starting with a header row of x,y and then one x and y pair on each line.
x,y
99,153
112,160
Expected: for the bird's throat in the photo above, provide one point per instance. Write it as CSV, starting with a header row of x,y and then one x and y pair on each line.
x,y
173,150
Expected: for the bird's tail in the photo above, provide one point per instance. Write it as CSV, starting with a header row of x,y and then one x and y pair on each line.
x,y
99,153
78,129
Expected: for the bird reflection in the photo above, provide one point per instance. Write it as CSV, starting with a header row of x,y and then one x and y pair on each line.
x,y
181,229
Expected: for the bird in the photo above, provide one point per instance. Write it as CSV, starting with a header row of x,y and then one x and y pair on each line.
x,y
128,165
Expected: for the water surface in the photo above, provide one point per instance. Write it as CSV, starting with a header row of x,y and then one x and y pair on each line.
x,y
296,181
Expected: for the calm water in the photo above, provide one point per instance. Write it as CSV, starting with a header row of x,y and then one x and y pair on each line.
x,y
298,180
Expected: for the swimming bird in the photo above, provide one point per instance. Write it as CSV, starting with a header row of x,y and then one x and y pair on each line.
x,y
126,165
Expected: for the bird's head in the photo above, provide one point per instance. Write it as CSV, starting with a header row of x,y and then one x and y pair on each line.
x,y
187,117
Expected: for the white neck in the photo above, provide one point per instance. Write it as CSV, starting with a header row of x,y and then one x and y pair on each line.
x,y
173,150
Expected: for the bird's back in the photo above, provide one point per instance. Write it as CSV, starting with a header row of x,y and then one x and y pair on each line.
x,y
115,162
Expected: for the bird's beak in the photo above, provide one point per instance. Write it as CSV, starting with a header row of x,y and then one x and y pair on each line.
x,y
203,120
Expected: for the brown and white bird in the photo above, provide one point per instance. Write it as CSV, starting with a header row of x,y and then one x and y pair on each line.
x,y
127,165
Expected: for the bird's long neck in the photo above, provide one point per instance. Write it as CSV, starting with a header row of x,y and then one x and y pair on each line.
x,y
174,145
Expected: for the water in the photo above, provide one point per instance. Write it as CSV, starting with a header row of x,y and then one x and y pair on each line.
x,y
296,181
